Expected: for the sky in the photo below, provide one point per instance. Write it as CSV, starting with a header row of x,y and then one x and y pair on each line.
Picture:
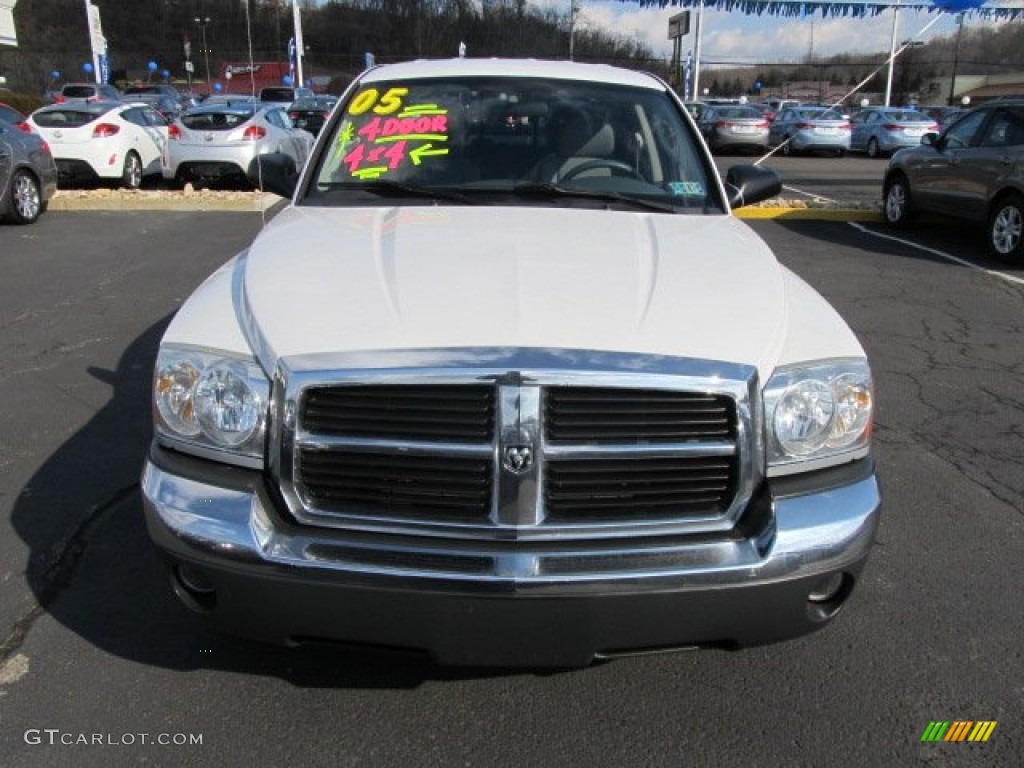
x,y
736,37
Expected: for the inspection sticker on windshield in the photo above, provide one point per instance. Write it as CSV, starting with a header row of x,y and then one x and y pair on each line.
x,y
687,188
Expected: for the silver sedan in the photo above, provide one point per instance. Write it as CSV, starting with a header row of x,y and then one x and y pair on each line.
x,y
811,129
28,174
218,142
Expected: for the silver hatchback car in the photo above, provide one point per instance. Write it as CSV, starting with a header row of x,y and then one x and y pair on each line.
x,y
219,141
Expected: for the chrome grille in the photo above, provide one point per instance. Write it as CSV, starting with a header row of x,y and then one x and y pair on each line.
x,y
521,449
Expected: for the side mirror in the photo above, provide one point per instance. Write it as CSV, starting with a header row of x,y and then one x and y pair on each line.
x,y
749,184
274,172
931,140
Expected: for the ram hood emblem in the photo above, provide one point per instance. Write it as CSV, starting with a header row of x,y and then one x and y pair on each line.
x,y
517,458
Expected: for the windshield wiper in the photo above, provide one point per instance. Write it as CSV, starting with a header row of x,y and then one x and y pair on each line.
x,y
546,189
390,188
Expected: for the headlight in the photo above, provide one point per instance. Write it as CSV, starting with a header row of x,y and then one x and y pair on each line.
x,y
817,415
211,403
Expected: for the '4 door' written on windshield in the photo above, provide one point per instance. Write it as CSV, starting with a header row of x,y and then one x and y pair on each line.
x,y
380,133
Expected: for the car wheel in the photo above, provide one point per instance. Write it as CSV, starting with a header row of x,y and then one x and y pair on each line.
x,y
25,203
1005,227
131,176
873,149
896,201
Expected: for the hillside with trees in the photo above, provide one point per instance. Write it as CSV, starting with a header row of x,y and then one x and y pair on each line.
x,y
338,33
53,35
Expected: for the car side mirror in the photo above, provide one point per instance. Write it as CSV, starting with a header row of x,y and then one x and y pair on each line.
x,y
931,139
749,184
274,172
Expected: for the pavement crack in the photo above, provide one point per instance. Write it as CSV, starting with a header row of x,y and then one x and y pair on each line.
x,y
62,564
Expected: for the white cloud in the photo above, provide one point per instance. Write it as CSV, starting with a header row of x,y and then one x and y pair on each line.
x,y
757,39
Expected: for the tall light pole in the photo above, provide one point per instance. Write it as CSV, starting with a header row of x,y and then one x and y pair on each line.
x,y
956,58
574,10
202,21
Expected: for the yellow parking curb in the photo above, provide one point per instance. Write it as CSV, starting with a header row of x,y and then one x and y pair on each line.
x,y
809,214
216,200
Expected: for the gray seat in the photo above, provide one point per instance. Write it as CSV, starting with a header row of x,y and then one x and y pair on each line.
x,y
575,139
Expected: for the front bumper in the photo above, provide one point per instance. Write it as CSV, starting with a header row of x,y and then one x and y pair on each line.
x,y
508,604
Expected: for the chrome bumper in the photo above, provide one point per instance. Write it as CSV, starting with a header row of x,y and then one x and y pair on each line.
x,y
285,583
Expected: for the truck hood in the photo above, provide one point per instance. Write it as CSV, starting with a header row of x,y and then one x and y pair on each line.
x,y
338,280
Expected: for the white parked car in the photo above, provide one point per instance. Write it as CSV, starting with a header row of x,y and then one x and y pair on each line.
x,y
218,141
104,140
507,383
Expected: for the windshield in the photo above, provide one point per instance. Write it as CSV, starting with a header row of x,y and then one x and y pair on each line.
x,y
535,140
205,119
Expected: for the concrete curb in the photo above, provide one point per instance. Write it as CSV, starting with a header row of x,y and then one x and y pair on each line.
x,y
142,200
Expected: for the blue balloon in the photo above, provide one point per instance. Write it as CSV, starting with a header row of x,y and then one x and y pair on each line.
x,y
152,66
218,87
55,74
287,79
87,67
958,6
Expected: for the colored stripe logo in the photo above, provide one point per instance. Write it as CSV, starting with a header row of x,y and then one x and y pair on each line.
x,y
958,730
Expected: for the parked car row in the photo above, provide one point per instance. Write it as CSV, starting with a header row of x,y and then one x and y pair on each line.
x,y
793,128
125,142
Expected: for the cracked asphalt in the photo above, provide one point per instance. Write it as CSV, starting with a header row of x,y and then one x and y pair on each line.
x,y
92,643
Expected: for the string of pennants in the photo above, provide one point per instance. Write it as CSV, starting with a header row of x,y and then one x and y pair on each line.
x,y
996,11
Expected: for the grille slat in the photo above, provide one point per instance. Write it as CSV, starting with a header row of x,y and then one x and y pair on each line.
x,y
448,413
388,484
605,415
616,488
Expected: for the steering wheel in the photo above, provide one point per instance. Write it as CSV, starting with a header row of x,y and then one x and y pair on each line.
x,y
602,162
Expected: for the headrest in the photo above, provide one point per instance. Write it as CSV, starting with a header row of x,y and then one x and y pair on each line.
x,y
576,137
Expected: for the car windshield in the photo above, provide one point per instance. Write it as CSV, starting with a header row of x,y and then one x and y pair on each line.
x,y
907,116
529,140
277,94
739,112
65,118
216,120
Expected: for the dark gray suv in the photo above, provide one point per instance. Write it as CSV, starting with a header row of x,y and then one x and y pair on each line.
x,y
973,170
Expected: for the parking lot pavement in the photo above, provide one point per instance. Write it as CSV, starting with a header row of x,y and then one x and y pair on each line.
x,y
932,633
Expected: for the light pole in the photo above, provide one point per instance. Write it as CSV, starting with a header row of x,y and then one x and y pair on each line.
x,y
908,68
956,58
574,10
202,21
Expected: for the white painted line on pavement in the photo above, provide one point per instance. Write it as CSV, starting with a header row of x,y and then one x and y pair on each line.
x,y
815,195
940,254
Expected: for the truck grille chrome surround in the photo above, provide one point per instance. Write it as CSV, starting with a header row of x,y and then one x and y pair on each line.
x,y
506,444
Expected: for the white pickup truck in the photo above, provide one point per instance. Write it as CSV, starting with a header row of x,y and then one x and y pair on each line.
x,y
507,383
